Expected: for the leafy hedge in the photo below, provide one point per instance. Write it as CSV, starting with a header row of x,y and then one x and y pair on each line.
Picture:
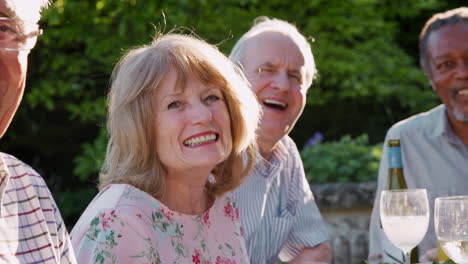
x,y
365,50
346,160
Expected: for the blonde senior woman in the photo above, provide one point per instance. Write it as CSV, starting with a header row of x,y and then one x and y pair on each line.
x,y
182,123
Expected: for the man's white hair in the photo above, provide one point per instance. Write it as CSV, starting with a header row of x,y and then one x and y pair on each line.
x,y
29,9
44,3
265,24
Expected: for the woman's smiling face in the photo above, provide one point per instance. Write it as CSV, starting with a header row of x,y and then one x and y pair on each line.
x,y
192,125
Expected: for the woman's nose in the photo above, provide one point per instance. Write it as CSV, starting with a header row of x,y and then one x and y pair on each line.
x,y
200,113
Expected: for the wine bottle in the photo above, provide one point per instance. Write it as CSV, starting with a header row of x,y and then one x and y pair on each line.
x,y
396,178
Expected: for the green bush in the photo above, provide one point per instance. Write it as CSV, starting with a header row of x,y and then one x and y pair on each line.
x,y
365,50
345,160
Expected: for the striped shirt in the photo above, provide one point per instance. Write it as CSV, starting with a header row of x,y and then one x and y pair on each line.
x,y
278,211
31,228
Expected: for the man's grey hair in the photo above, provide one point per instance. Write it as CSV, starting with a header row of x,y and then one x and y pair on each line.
x,y
265,24
44,4
29,9
437,21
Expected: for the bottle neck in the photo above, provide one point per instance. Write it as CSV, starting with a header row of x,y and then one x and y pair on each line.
x,y
396,178
394,158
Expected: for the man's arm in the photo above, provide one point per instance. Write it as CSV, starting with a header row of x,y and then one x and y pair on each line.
x,y
320,253
309,230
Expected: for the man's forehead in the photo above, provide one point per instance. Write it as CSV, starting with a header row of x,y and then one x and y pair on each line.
x,y
447,38
22,9
270,37
273,47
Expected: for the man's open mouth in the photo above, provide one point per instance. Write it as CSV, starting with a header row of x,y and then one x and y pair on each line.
x,y
275,104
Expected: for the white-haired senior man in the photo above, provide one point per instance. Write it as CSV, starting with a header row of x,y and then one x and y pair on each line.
x,y
278,211
31,228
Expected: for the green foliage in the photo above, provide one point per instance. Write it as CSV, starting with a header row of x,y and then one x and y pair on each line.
x,y
355,50
365,51
346,160
87,164
357,56
72,203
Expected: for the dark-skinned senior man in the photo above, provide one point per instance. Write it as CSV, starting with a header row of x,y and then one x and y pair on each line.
x,y
434,144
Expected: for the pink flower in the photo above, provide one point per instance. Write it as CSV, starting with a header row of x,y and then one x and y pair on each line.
x,y
206,219
104,221
220,260
232,212
196,259
168,215
113,215
228,211
242,231
196,256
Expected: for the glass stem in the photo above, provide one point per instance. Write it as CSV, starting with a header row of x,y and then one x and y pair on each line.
x,y
408,257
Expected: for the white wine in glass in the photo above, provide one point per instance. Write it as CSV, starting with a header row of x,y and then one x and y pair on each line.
x,y
405,217
451,226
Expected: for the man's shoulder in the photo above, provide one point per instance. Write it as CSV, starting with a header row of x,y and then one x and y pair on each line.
x,y
10,159
424,122
287,146
293,169
16,165
19,171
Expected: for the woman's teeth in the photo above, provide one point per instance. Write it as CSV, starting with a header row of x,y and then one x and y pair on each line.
x,y
200,140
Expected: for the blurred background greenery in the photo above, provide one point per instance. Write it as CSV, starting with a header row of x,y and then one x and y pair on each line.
x,y
366,53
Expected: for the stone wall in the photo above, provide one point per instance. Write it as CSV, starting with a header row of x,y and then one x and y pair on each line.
x,y
346,209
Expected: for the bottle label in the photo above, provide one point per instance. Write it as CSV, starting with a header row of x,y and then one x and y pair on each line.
x,y
394,158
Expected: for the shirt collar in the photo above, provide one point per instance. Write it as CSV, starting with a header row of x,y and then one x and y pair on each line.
x,y
266,168
443,128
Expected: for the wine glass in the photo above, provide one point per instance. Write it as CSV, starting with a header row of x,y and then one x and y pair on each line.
x,y
451,226
405,217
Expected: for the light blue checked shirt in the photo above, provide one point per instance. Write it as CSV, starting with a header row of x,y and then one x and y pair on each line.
x,y
278,210
434,158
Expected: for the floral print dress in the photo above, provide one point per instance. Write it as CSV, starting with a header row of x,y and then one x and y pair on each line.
x,y
126,225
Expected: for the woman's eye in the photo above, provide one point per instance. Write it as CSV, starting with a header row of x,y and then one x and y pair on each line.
x,y
212,98
175,104
260,70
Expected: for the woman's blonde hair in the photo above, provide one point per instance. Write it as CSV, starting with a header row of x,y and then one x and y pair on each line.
x,y
131,152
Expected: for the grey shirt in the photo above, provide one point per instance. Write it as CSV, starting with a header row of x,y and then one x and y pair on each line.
x,y
434,158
